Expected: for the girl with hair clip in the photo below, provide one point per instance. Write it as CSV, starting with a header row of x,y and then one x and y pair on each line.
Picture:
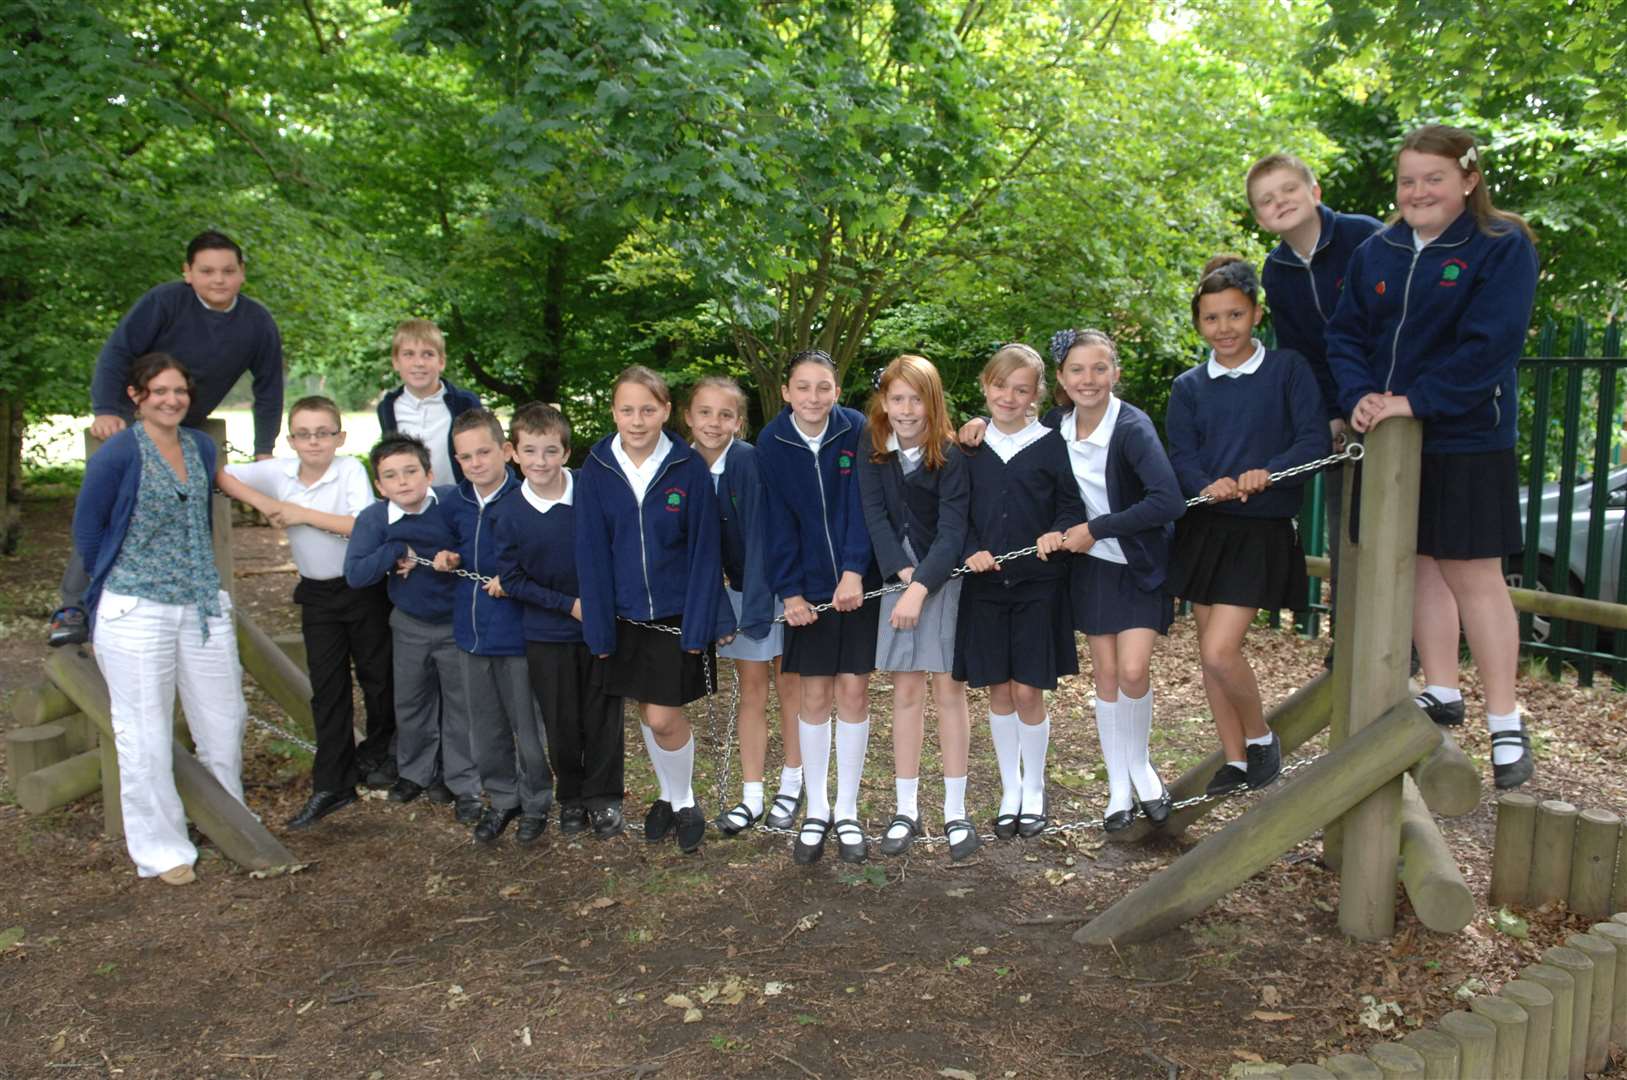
x,y
1431,324
1234,420
1014,633
912,479
648,561
716,419
819,552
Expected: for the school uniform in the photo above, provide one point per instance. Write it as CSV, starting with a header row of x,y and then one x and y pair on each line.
x,y
738,481
1132,501
1445,323
647,549
430,419
505,727
431,698
1266,413
536,562
816,534
1015,622
916,518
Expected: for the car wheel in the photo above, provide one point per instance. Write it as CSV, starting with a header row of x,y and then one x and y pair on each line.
x,y
1542,628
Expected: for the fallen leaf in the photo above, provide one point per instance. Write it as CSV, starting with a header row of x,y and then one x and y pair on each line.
x,y
1270,1017
981,950
693,1016
11,935
957,1074
959,894
773,989
1270,996
525,1035
808,922
278,871
678,1001
1247,1055
509,892
883,969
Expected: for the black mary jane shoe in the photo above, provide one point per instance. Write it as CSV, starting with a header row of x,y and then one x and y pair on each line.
x,y
659,821
736,820
1031,825
1518,771
319,806
969,841
1119,820
892,844
573,820
1157,810
851,853
782,812
808,853
1005,826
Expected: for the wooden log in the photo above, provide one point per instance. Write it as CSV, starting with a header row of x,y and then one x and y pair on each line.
x,y
237,832
1477,1042
1601,613
1352,1067
40,704
1316,795
277,675
1439,1051
1297,720
82,732
1538,1002
1551,844
1580,966
1511,850
43,790
1619,917
30,749
1562,985
1397,1061
1618,891
293,646
1435,885
112,806
1603,954
1616,934
1593,863
1305,1071
1448,780
1511,1021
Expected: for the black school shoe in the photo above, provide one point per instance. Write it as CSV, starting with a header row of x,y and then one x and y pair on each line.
x,y
659,821
897,844
319,806
806,854
573,820
607,821
1516,772
690,825
439,794
1229,779
969,840
493,822
782,812
856,852
1264,763
1119,820
1157,810
530,828
1444,713
404,790
468,809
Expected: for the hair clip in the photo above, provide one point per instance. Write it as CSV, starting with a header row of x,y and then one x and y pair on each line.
x,y
1061,342
1470,156
875,379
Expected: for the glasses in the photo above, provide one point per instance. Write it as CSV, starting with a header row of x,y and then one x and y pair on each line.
x,y
321,435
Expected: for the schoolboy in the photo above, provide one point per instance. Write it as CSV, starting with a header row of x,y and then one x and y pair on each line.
x,y
1303,277
431,704
316,496
536,566
425,404
490,632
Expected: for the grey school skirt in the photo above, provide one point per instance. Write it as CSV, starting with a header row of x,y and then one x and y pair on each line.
x,y
931,645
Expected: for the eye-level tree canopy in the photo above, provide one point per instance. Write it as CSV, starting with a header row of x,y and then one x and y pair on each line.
x,y
709,185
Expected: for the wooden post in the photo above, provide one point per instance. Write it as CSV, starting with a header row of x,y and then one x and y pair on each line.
x,y
8,512
40,704
1316,795
1562,985
1511,1021
45,789
1551,845
1618,891
272,670
1344,644
1580,966
1616,934
31,749
1434,883
1511,850
220,511
1381,655
1593,862
1297,720
1448,781
112,806
1538,1003
1477,1042
1440,1053
1305,1071
1602,1005
1352,1067
1397,1061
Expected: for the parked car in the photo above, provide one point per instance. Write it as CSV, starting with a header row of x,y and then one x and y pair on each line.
x,y
1576,569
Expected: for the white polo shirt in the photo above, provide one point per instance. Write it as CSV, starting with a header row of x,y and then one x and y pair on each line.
x,y
642,476
430,420
342,490
1088,456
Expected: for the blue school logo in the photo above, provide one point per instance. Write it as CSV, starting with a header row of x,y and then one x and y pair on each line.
x,y
674,500
1451,270
844,462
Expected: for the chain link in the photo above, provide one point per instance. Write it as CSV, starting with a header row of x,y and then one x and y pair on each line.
x,y
1353,452
286,736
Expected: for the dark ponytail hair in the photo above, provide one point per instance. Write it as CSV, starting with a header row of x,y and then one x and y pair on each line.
x,y
1227,270
810,356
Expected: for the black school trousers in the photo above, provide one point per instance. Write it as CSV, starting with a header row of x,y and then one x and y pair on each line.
x,y
585,735
344,626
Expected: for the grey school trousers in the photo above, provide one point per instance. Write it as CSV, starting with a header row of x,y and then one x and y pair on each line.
x,y
510,747
431,706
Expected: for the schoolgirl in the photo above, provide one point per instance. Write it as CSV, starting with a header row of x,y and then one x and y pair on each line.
x,y
913,482
1014,632
716,418
818,553
1245,413
1431,324
651,579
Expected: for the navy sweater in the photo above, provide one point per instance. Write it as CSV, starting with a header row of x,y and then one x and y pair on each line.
x,y
815,517
1142,490
458,400
376,545
483,624
107,502
1013,503
1269,420
216,347
1445,326
1303,297
744,537
650,559
536,562
925,507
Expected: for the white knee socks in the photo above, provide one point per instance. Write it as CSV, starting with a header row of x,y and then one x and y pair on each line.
x,y
677,770
1033,740
815,742
1003,730
851,743
1139,760
655,761
1113,729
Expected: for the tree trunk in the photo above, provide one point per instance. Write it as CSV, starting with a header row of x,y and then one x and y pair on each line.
x,y
11,473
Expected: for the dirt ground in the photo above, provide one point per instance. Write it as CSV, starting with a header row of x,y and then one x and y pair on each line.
x,y
403,950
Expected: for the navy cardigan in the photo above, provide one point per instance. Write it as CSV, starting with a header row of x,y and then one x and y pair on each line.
x,y
1013,503
376,546
815,517
742,519
1445,326
649,559
925,506
1141,489
458,400
536,563
483,624
107,502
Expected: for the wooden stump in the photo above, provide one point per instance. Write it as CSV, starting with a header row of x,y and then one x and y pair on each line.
x,y
1618,891
1477,1042
1397,1061
1538,1003
1616,934
1352,1067
1580,966
1448,780
45,789
30,749
1511,851
1439,1051
1511,1021
1603,954
1304,1071
1552,841
1562,985
1434,883
1593,862
40,704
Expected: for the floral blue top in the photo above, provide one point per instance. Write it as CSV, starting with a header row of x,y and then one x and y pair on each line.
x,y
168,555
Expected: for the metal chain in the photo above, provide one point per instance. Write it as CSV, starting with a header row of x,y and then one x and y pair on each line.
x,y
1353,452
285,736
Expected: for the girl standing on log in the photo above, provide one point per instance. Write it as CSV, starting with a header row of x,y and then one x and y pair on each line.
x,y
162,622
1431,324
1247,412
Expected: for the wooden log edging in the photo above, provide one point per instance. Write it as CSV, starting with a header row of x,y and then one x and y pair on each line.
x,y
1435,885
43,790
1550,851
30,749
